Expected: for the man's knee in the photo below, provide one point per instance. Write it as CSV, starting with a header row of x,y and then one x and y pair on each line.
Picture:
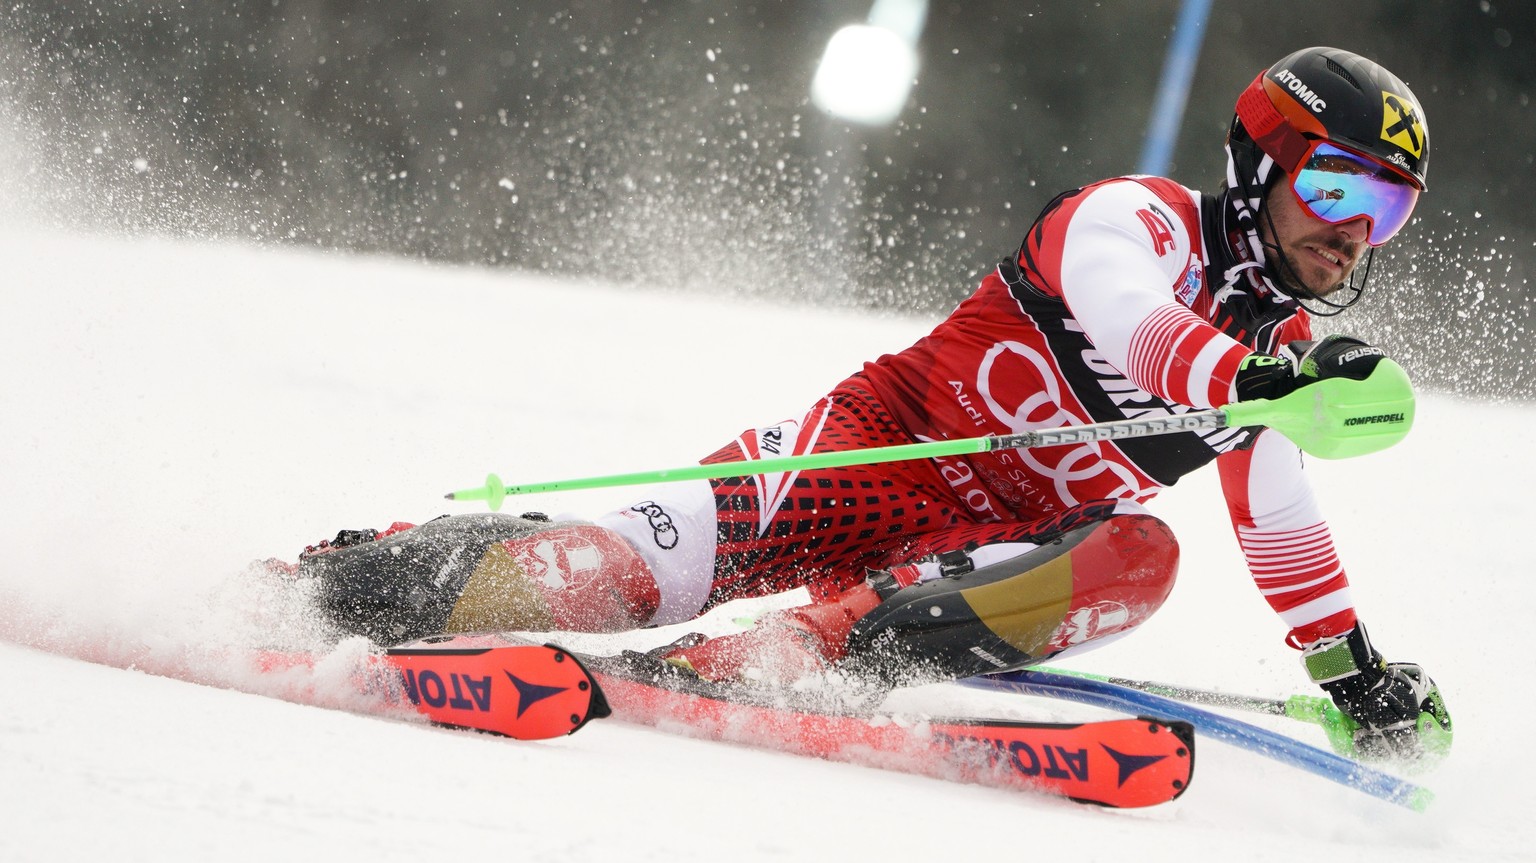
x,y
577,577
1094,582
483,572
1120,577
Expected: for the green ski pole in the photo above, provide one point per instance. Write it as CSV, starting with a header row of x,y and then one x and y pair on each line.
x,y
1334,418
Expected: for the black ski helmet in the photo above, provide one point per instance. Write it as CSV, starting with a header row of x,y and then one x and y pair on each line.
x,y
1332,95
1318,94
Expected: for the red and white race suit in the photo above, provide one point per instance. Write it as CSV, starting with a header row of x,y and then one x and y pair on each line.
x,y
1126,300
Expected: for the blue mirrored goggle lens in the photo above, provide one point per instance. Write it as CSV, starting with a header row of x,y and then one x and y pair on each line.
x,y
1337,185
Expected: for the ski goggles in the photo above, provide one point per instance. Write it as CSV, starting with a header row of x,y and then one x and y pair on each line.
x,y
1338,185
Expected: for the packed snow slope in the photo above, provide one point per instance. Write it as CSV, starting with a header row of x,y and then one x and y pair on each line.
x,y
170,412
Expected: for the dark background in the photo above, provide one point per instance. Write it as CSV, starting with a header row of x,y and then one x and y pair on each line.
x,y
672,145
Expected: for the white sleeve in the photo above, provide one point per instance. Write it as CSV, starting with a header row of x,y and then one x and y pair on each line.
x,y
1285,539
1122,254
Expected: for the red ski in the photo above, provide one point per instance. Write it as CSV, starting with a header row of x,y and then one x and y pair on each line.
x,y
1120,763
502,686
526,691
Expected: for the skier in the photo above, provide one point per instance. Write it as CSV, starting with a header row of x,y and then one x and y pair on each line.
x,y
1129,297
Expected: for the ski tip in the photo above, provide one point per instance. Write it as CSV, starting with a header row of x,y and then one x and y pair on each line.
x,y
598,707
521,690
1185,733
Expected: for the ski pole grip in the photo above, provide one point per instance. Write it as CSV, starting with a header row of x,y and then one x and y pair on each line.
x,y
1338,417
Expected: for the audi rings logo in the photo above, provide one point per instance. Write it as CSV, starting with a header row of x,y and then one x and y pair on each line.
x,y
1002,384
662,529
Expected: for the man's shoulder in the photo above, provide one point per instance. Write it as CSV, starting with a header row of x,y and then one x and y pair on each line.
x,y
1134,188
1162,205
1114,219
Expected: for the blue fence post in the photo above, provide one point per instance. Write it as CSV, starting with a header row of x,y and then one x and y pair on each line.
x,y
1173,88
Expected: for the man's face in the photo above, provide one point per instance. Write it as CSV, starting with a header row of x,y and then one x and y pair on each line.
x,y
1321,255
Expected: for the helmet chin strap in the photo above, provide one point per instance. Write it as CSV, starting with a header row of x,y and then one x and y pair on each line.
x,y
1300,293
1279,274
